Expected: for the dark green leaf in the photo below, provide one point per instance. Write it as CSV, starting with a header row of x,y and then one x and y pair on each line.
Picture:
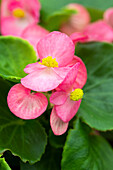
x,y
50,161
57,141
97,106
26,139
15,54
4,165
85,150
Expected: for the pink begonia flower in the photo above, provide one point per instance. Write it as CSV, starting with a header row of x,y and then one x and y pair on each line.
x,y
99,31
17,15
24,104
78,37
33,34
55,50
108,16
77,22
66,102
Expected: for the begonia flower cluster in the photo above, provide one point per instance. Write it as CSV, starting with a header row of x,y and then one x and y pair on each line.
x,y
58,71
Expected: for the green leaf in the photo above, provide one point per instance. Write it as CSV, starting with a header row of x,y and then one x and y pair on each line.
x,y
53,21
57,141
24,138
50,160
85,150
15,54
95,14
4,165
97,106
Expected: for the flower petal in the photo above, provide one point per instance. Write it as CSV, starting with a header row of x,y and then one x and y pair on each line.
x,y
57,125
99,31
67,110
13,26
78,37
68,82
33,67
42,80
58,98
55,44
82,73
24,104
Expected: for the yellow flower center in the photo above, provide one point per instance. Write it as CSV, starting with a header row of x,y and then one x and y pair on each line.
x,y
49,62
19,13
77,94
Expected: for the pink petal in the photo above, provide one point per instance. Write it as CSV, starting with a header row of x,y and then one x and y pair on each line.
x,y
99,31
108,16
82,73
58,98
62,71
42,80
24,104
55,44
78,37
33,67
77,22
13,26
67,110
33,33
57,125
67,84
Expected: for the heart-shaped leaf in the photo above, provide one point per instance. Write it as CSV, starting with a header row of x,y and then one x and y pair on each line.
x,y
15,54
86,150
97,105
24,138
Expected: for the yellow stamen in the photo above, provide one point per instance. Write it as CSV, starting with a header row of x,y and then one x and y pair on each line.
x,y
77,94
49,62
19,13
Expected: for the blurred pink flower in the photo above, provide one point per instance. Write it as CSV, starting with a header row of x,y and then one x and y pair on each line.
x,y
98,31
108,16
78,37
33,33
66,101
17,15
77,22
55,51
24,104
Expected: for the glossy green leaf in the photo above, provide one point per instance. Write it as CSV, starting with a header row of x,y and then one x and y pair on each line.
x,y
50,161
15,54
24,138
85,150
4,165
97,105
57,141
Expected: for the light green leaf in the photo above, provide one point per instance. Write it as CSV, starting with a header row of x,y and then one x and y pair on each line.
x,y
15,54
85,150
54,20
97,105
4,165
26,139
